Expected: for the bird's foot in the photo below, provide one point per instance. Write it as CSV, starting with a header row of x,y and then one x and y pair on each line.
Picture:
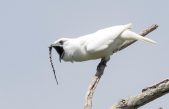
x,y
102,63
100,68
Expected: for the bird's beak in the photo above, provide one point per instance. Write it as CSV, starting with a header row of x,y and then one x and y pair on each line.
x,y
59,50
53,45
50,46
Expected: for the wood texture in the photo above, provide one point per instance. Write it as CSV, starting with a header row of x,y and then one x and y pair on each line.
x,y
147,95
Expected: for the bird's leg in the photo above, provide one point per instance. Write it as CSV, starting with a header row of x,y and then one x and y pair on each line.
x,y
103,62
101,66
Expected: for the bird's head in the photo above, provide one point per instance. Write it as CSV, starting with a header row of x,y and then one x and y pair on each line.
x,y
58,45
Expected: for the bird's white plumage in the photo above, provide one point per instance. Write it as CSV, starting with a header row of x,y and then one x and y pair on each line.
x,y
97,45
104,38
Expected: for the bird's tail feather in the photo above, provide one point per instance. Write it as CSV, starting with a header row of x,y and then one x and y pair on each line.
x,y
129,25
129,35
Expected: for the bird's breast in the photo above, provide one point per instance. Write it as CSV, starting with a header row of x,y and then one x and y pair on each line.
x,y
79,56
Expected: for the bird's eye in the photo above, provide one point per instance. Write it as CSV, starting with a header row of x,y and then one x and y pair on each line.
x,y
61,42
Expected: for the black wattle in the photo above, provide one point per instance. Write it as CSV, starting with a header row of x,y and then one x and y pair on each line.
x,y
60,51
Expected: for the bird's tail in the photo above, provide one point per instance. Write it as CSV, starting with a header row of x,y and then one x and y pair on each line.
x,y
129,35
128,26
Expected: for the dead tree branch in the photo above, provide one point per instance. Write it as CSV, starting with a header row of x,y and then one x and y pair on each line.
x,y
147,95
100,70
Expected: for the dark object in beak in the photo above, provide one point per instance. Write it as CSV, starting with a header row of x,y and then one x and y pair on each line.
x,y
60,51
50,57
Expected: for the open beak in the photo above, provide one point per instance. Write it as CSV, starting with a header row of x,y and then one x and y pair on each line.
x,y
59,50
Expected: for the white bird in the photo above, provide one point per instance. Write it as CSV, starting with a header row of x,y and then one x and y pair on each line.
x,y
100,44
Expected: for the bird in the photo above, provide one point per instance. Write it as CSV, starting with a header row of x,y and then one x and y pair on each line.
x,y
98,45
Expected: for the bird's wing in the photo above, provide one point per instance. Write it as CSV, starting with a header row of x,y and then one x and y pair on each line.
x,y
99,44
100,40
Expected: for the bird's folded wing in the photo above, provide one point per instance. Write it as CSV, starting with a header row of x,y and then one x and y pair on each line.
x,y
98,45
101,40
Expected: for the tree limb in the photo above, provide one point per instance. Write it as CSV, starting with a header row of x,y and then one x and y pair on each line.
x,y
147,95
100,70
93,84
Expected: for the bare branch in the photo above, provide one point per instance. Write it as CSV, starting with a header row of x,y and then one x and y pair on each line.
x,y
147,95
100,70
93,84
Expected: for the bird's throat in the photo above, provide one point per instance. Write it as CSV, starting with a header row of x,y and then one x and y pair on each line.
x,y
60,51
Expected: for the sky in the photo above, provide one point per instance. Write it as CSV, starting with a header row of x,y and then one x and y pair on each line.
x,y
28,27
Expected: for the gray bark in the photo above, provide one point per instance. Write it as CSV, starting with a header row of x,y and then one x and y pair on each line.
x,y
147,95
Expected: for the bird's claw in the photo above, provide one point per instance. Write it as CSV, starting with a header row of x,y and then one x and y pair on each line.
x,y
102,63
